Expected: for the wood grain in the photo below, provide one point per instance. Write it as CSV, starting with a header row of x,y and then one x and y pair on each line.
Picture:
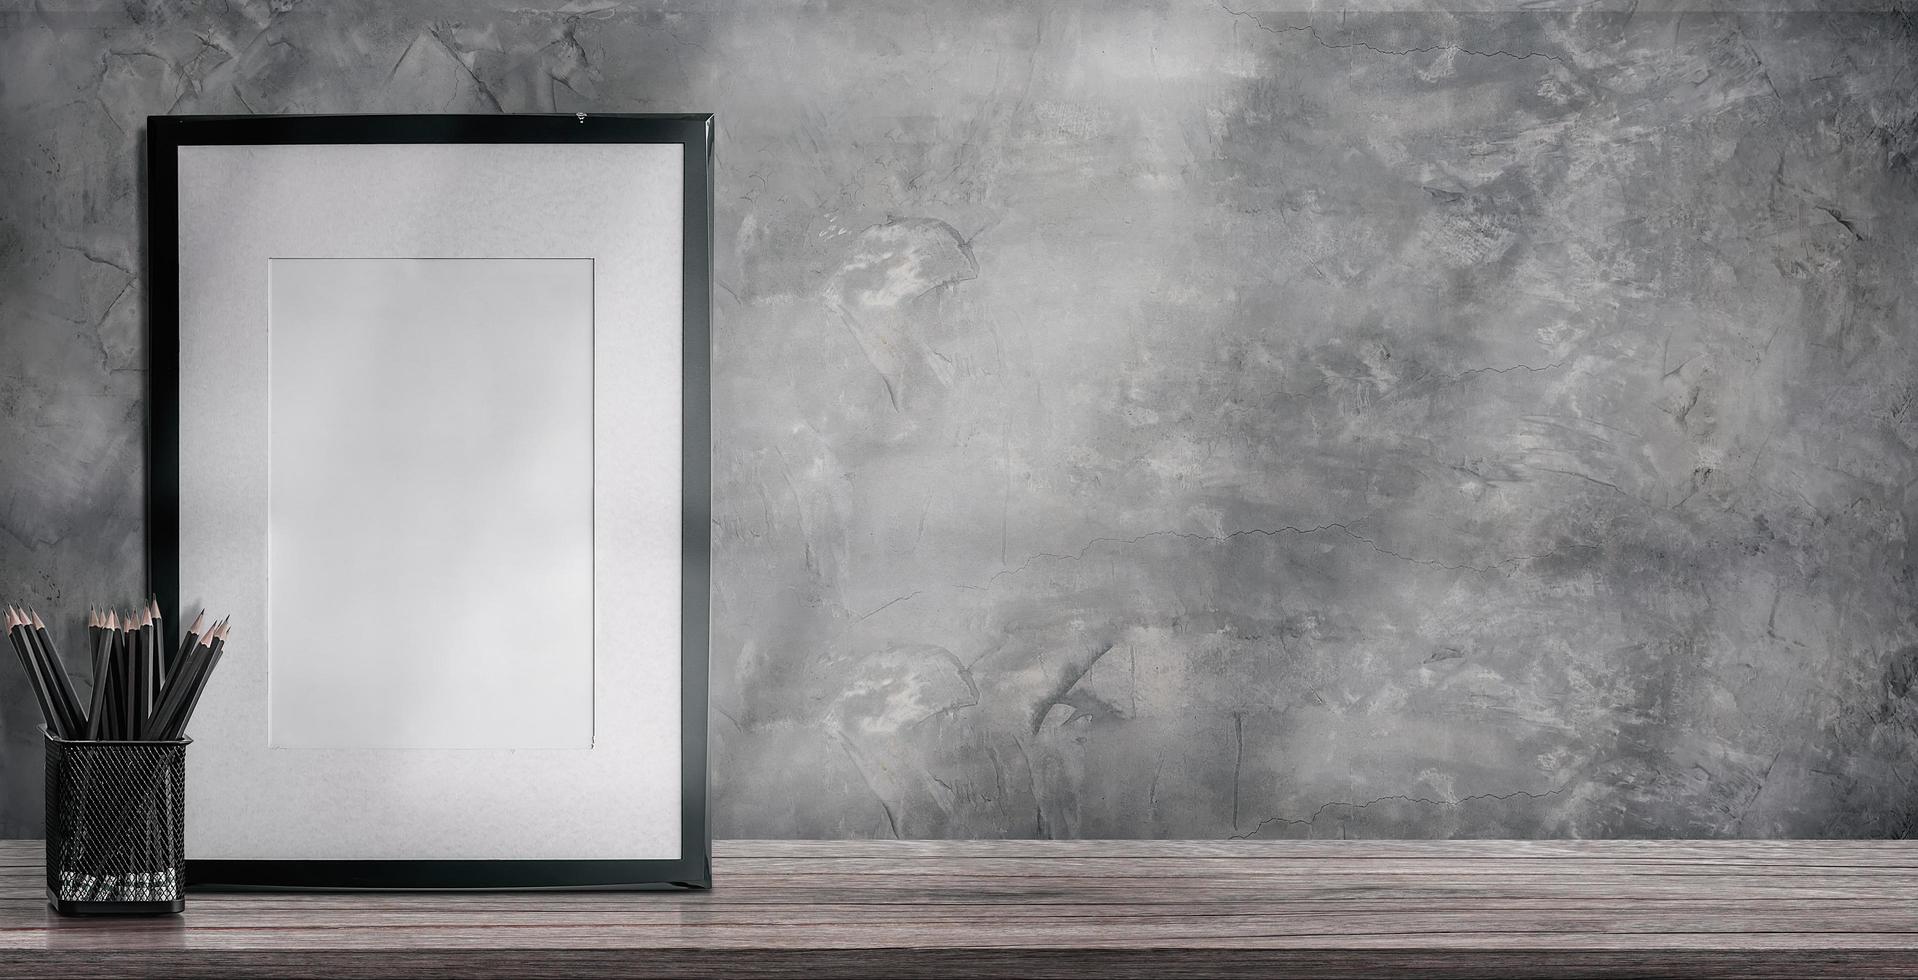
x,y
1056,909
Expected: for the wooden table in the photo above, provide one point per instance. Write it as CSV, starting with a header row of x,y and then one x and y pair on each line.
x,y
1065,909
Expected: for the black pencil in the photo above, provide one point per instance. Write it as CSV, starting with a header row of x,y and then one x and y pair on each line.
x,y
26,665
143,672
95,622
37,655
97,704
129,677
176,727
191,670
69,703
136,709
97,692
128,655
140,689
187,644
18,632
158,647
178,687
116,681
156,639
192,657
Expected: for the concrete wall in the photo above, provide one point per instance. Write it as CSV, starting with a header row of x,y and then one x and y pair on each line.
x,y
1168,419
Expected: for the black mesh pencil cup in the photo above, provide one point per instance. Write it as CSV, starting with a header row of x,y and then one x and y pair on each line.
x,y
116,826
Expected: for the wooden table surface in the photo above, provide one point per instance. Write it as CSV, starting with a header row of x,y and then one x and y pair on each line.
x,y
1059,909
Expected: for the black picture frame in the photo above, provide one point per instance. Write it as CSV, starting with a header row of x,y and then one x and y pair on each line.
x,y
165,136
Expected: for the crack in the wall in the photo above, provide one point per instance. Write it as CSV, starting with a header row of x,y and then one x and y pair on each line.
x,y
98,259
1316,814
569,34
1435,378
854,327
1495,566
882,607
859,766
1269,532
395,73
31,543
1615,488
1462,375
99,338
1287,529
454,53
1841,219
1068,680
1313,32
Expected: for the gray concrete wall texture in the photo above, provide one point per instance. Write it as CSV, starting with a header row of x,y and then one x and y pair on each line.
x,y
1169,419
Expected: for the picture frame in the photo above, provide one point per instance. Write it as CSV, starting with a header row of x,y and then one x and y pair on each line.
x,y
383,720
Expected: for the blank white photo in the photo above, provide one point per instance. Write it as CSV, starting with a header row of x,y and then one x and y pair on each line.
x,y
430,490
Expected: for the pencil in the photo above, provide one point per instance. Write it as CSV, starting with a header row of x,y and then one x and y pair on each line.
x,y
160,664
181,689
156,641
93,637
17,631
177,688
69,703
112,725
143,672
176,727
187,643
37,655
193,653
141,687
103,725
128,655
97,704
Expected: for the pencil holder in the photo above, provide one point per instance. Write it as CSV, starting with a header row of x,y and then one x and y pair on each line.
x,y
116,826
